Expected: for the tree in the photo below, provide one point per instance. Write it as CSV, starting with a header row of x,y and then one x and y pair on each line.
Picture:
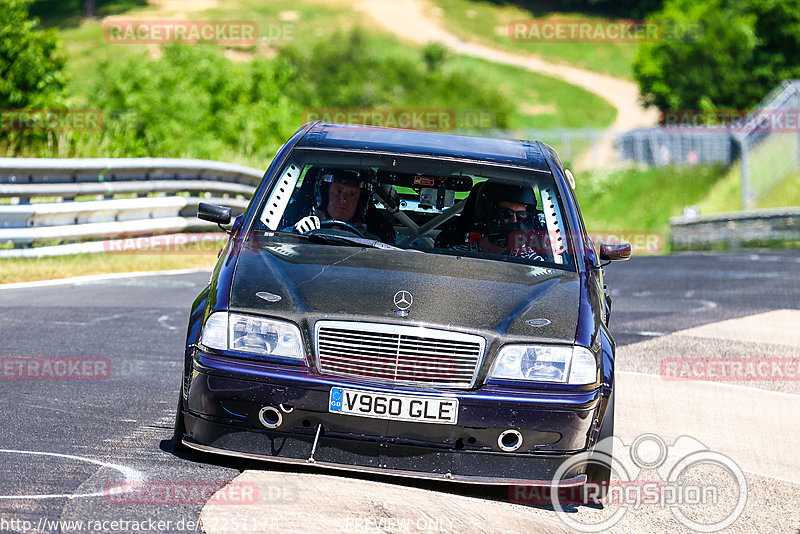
x,y
744,49
31,69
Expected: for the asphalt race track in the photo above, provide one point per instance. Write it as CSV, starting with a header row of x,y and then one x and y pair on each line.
x,y
64,443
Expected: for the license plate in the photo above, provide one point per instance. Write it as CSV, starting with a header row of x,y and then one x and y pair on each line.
x,y
442,410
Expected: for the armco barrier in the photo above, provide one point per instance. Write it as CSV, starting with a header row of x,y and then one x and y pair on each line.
x,y
166,194
736,230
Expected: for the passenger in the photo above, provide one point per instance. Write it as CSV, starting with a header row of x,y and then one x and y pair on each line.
x,y
343,195
504,213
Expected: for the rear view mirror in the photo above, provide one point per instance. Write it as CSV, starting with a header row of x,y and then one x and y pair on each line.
x,y
615,251
214,213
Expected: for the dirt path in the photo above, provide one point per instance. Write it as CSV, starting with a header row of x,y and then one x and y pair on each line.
x,y
406,19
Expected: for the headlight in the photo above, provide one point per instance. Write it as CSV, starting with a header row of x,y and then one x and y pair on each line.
x,y
542,363
257,335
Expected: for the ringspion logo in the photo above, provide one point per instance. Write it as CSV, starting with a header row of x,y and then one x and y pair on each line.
x,y
681,477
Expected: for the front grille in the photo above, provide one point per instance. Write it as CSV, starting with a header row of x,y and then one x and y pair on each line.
x,y
398,353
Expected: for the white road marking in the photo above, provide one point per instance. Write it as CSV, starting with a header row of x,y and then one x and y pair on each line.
x,y
47,408
704,305
131,476
95,320
163,322
96,277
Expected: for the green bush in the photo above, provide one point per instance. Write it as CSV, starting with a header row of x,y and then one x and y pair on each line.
x,y
341,72
195,102
31,68
642,199
746,48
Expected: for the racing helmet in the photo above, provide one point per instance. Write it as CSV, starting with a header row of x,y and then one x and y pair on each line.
x,y
492,222
354,177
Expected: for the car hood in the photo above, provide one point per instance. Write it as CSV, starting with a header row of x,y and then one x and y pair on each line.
x,y
316,281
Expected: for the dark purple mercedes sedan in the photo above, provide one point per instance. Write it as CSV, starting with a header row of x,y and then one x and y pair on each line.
x,y
408,303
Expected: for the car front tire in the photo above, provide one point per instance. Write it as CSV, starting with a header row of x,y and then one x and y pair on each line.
x,y
179,429
598,469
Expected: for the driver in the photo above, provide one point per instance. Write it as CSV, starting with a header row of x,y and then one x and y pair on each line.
x,y
503,213
343,196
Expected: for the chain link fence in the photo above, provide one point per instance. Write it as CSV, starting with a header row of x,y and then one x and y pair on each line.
x,y
765,141
771,153
656,148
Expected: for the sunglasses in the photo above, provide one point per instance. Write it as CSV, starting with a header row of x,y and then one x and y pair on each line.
x,y
508,215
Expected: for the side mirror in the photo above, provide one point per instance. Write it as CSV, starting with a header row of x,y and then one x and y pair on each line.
x,y
214,213
615,251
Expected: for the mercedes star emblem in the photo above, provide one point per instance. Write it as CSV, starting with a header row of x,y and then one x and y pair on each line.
x,y
403,300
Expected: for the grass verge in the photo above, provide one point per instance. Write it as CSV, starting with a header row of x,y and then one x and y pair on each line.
x,y
640,202
774,179
50,268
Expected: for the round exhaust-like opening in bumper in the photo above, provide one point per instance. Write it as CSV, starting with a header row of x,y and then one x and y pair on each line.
x,y
509,440
270,417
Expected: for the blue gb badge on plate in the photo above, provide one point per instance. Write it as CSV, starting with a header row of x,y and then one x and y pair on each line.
x,y
336,400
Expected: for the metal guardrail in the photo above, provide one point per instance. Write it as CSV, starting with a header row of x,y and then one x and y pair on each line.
x,y
71,190
166,194
736,230
45,170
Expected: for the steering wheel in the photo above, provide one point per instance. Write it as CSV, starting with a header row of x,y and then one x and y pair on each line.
x,y
346,226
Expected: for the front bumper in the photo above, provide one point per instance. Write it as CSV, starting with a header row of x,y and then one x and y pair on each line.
x,y
223,402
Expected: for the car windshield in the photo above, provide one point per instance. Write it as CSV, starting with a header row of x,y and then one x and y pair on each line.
x,y
411,203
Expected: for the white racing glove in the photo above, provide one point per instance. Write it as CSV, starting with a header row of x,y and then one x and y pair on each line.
x,y
527,253
307,224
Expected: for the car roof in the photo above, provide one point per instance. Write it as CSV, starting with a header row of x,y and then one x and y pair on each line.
x,y
378,139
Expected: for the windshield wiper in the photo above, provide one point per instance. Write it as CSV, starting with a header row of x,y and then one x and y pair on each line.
x,y
331,239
